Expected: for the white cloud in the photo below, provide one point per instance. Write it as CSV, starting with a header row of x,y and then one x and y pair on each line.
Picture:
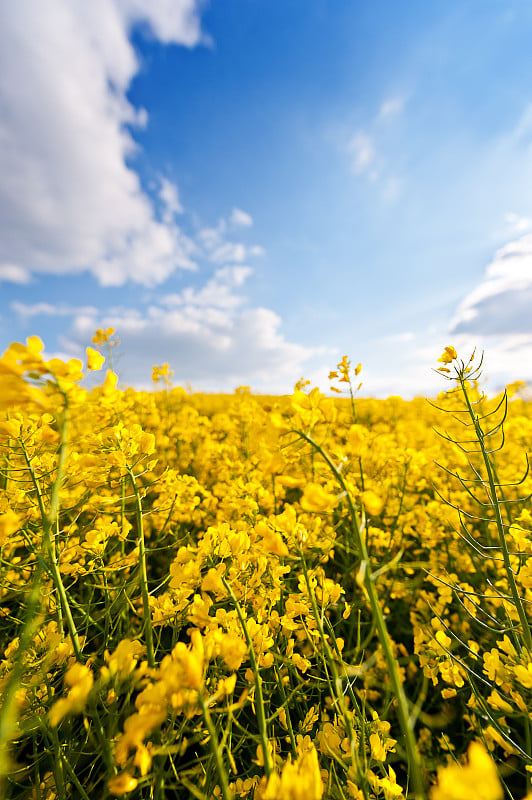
x,y
217,292
362,151
13,273
169,20
518,224
49,309
391,107
208,336
502,301
169,195
70,200
235,252
241,218
400,338
219,250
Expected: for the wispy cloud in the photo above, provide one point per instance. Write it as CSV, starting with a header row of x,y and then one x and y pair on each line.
x,y
169,195
517,223
28,310
366,147
241,218
390,107
362,151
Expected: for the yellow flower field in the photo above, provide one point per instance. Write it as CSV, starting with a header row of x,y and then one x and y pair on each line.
x,y
279,598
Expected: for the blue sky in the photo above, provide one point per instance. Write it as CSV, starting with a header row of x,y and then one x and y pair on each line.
x,y
249,189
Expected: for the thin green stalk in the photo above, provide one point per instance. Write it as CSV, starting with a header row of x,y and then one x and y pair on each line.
x,y
367,580
259,698
58,760
216,749
8,711
49,522
335,685
280,684
143,576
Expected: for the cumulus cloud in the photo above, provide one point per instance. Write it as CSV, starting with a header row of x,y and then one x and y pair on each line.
x,y
209,336
218,292
69,197
501,303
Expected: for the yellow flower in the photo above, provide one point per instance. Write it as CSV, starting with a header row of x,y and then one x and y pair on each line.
x,y
142,759
372,503
298,781
378,751
121,784
10,427
124,659
10,523
477,779
69,370
80,679
162,372
524,675
448,355
94,359
315,498
102,336
109,384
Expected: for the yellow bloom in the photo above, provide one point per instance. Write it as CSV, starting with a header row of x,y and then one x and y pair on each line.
x,y
524,675
10,523
10,427
109,384
142,759
378,751
123,660
448,355
69,370
94,359
102,336
299,781
80,679
121,784
477,779
372,503
315,498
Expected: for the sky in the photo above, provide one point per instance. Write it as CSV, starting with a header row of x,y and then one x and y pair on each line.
x,y
250,189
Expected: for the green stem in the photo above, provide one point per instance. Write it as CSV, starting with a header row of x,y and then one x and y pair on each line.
x,y
335,687
259,698
143,576
215,749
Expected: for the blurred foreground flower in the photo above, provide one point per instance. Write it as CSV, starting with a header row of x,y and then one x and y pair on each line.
x,y
477,779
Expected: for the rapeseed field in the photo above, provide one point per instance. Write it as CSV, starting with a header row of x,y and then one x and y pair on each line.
x,y
279,598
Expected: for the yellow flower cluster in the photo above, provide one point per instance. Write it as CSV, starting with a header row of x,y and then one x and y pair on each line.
x,y
185,604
